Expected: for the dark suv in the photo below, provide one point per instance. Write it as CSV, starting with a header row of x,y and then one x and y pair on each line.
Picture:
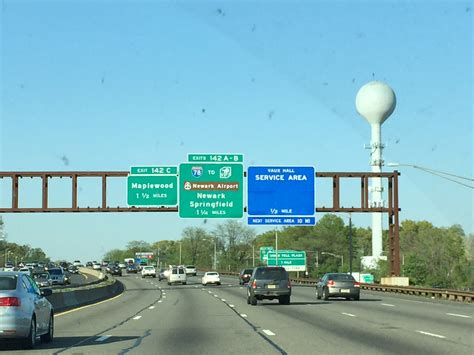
x,y
269,283
244,276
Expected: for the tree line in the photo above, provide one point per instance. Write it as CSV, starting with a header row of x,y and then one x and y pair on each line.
x,y
430,256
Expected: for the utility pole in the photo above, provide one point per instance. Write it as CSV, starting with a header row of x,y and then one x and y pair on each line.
x,y
215,255
276,246
350,244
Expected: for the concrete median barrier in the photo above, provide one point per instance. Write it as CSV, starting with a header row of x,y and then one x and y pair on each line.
x,y
64,300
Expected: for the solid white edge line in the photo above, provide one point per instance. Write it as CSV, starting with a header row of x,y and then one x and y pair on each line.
x,y
348,314
231,305
103,337
268,332
137,317
151,307
388,305
160,301
223,299
458,315
431,334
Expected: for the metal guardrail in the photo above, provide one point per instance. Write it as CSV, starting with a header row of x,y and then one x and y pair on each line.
x,y
446,294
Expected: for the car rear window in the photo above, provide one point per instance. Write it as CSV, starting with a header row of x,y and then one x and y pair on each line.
x,y
55,271
212,273
271,274
8,282
148,267
248,271
191,267
341,277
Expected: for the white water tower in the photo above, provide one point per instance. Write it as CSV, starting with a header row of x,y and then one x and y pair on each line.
x,y
376,101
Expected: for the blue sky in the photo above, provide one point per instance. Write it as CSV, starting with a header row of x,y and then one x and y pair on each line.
x,y
111,84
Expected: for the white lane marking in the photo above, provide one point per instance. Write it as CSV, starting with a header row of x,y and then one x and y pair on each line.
x,y
243,315
209,292
216,296
164,296
195,286
268,332
160,301
203,289
231,285
388,305
240,288
137,317
348,314
151,307
431,334
223,299
103,337
458,315
164,293
231,306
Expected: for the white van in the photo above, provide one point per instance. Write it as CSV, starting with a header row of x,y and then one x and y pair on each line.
x,y
177,275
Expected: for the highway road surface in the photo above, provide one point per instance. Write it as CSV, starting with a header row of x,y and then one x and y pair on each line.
x,y
151,317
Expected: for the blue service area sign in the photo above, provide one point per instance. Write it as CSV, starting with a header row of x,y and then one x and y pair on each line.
x,y
280,191
283,221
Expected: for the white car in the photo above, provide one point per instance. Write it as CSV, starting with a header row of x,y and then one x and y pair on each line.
x,y
191,270
26,270
148,271
177,275
77,263
211,277
96,266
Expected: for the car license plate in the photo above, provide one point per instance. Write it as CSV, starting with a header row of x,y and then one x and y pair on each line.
x,y
345,290
271,286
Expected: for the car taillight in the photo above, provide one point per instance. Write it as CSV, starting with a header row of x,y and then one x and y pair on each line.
x,y
356,284
254,284
331,283
10,302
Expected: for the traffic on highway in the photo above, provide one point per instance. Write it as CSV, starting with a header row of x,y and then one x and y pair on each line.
x,y
236,177
287,319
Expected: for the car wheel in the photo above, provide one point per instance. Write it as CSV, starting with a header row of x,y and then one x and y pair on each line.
x,y
169,283
248,299
48,337
253,300
357,298
325,294
218,284
184,283
30,341
318,296
284,299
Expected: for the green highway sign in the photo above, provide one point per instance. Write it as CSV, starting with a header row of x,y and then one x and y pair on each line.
x,y
291,260
216,158
154,170
211,190
152,190
263,252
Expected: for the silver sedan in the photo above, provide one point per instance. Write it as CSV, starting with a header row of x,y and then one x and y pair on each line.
x,y
25,313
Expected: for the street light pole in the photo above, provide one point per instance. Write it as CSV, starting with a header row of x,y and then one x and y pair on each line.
x,y
253,255
180,253
438,173
215,255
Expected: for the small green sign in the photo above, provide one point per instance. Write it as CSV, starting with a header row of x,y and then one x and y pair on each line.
x,y
211,190
291,260
152,190
154,170
216,158
264,252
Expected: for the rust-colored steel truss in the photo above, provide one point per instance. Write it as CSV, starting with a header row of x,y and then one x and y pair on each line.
x,y
392,209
